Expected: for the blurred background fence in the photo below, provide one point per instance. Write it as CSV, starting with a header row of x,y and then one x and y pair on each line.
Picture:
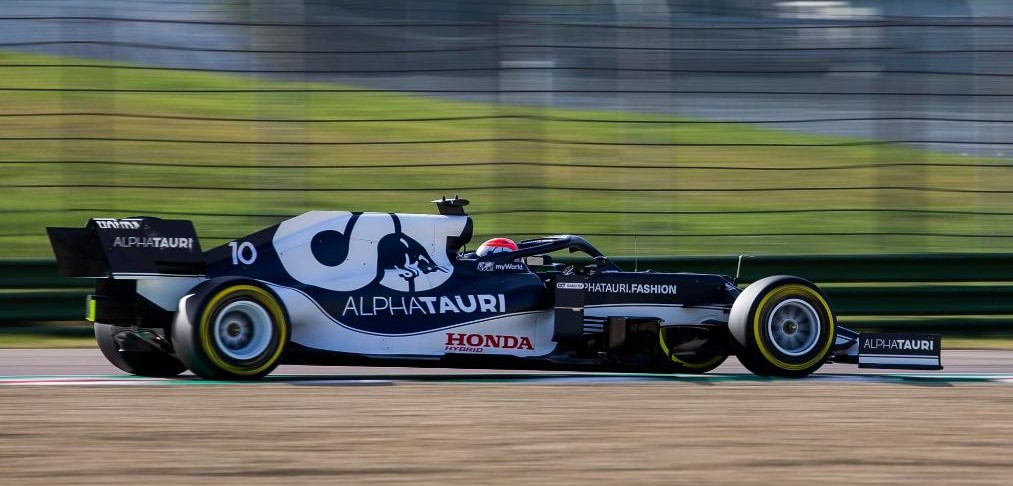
x,y
655,127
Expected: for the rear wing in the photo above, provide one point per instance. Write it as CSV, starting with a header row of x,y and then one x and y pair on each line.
x,y
128,248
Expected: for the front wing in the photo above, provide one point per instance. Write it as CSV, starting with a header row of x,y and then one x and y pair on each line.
x,y
888,350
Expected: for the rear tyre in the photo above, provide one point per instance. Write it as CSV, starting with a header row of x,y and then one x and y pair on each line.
x,y
150,362
782,326
236,330
701,361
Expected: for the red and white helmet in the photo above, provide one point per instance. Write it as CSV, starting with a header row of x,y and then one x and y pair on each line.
x,y
496,245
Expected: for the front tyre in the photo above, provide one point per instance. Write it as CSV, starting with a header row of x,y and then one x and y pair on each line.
x,y
782,326
136,357
233,330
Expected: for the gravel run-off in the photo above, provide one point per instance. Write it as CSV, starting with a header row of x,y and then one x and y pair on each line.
x,y
489,433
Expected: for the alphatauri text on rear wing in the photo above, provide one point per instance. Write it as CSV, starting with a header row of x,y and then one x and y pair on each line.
x,y
128,248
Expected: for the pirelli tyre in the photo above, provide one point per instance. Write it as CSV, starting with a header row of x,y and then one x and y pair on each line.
x,y
782,326
231,329
132,355
701,360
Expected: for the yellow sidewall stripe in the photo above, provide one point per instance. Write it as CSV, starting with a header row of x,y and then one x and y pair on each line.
x,y
258,295
795,290
664,347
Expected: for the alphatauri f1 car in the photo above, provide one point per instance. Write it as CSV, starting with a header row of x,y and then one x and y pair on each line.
x,y
337,287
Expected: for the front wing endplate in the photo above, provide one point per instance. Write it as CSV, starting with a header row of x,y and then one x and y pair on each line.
x,y
899,351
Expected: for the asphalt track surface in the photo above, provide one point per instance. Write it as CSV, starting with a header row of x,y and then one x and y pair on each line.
x,y
354,425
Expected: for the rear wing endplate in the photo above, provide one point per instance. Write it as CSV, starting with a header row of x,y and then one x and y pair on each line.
x,y
128,248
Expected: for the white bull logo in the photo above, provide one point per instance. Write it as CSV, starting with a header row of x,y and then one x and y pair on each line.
x,y
344,252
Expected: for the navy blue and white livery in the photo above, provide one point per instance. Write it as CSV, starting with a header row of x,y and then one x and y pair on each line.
x,y
339,287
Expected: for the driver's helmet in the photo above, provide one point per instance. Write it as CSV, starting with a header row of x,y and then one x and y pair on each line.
x,y
496,245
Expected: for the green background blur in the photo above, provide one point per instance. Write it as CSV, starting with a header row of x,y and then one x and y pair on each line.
x,y
120,134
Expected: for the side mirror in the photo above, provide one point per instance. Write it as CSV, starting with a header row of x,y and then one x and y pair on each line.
x,y
538,260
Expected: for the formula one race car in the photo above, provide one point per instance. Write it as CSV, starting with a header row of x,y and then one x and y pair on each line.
x,y
335,287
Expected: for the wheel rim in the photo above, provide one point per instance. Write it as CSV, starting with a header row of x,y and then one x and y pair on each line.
x,y
242,330
794,327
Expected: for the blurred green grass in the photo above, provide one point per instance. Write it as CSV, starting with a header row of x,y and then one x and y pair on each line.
x,y
80,336
268,167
